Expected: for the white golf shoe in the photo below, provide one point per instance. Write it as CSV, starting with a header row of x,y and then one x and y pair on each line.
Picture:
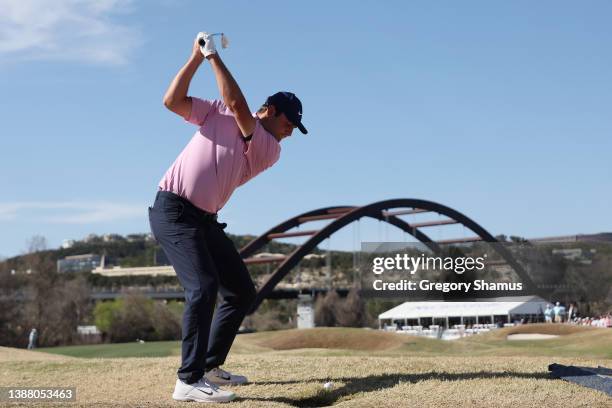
x,y
201,391
219,376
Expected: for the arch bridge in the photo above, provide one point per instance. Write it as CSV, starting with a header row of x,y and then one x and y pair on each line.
x,y
387,211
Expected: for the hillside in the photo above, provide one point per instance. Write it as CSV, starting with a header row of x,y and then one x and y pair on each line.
x,y
139,250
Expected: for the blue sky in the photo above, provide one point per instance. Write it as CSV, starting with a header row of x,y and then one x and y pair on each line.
x,y
500,110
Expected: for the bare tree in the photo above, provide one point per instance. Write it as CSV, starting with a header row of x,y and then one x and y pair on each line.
x,y
11,294
351,312
325,309
35,244
51,303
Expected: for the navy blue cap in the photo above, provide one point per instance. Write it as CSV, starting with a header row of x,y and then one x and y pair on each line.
x,y
290,105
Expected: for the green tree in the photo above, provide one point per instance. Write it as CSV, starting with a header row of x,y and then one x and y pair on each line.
x,y
106,313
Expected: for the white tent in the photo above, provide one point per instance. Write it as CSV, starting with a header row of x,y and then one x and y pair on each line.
x,y
511,306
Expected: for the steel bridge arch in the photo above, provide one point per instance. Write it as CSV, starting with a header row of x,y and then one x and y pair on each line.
x,y
344,215
326,213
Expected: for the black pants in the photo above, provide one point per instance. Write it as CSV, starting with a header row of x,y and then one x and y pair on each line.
x,y
206,262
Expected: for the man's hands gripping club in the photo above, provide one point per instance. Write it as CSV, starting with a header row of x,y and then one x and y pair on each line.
x,y
206,43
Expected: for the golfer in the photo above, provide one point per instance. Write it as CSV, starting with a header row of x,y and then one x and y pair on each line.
x,y
232,145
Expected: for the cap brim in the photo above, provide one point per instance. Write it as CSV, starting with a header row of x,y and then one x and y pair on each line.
x,y
302,128
297,122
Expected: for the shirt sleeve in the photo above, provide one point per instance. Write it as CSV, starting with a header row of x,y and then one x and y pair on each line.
x,y
262,152
201,109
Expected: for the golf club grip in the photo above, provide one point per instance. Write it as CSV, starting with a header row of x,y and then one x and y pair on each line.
x,y
201,42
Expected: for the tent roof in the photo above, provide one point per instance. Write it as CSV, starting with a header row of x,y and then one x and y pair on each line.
x,y
497,306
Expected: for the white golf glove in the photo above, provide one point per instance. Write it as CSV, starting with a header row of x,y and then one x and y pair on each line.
x,y
209,44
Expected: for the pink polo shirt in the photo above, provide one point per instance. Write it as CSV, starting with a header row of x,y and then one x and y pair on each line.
x,y
217,160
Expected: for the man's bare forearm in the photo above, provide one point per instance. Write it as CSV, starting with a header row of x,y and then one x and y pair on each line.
x,y
177,91
228,87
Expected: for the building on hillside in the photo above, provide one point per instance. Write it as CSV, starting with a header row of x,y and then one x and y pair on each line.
x,y
79,263
67,243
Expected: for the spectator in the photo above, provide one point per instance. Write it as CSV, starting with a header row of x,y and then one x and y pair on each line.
x,y
558,311
572,312
548,314
602,321
33,340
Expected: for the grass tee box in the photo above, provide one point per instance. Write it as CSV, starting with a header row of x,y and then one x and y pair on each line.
x,y
365,368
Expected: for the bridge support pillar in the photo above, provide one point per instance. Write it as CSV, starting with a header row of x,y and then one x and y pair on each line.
x,y
305,312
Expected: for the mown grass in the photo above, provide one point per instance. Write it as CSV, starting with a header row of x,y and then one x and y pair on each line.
x,y
367,368
290,379
119,350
